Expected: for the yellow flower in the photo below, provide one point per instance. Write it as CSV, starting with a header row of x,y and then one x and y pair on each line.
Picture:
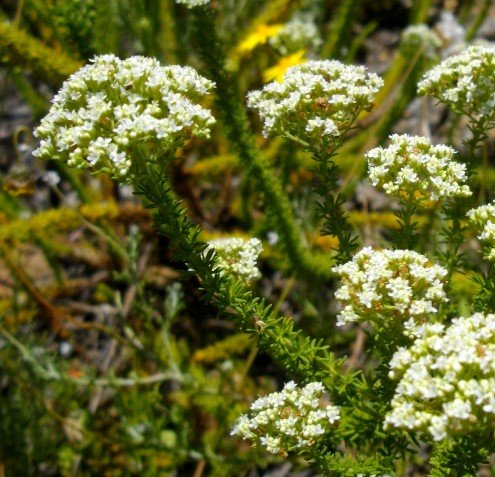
x,y
277,72
258,37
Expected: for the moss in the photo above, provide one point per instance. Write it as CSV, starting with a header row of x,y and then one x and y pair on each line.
x,y
19,49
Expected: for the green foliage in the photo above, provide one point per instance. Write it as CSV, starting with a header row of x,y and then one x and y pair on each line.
x,y
76,19
125,349
18,48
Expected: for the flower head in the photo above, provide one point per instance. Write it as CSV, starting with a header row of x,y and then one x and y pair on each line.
x,y
419,39
237,256
108,108
465,82
300,32
316,99
446,379
411,165
384,285
288,420
482,219
193,3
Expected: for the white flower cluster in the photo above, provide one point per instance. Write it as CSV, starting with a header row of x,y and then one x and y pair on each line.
x,y
319,100
379,285
288,420
109,107
453,34
446,379
373,475
482,219
300,32
465,82
237,256
193,3
419,39
411,165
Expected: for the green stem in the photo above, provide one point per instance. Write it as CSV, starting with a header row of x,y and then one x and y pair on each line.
x,y
340,28
452,235
52,374
38,105
299,355
236,123
72,176
479,128
29,358
478,21
402,98
105,233
406,237
335,220
419,11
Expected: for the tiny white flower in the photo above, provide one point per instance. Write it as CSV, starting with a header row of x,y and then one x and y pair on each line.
x,y
112,106
193,3
238,256
412,166
300,32
446,379
419,38
465,82
51,178
317,101
288,420
397,285
482,220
